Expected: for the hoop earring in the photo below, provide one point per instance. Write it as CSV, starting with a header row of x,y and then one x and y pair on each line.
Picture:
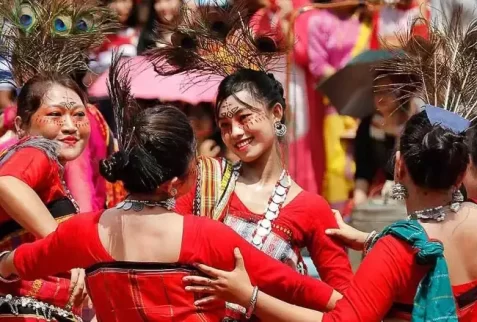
x,y
171,201
399,192
280,129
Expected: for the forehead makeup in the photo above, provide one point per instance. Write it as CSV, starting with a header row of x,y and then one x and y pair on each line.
x,y
228,110
61,99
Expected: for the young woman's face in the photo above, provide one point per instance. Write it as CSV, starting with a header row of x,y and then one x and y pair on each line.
x,y
385,99
247,133
62,118
123,9
167,10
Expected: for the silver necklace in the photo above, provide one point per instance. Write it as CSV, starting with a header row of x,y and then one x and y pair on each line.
x,y
436,214
138,205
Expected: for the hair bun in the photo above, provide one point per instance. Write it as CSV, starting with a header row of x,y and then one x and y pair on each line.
x,y
443,151
111,168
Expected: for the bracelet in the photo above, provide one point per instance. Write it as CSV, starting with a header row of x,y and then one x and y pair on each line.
x,y
2,279
253,303
369,240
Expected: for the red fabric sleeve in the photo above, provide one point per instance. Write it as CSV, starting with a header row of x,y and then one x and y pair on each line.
x,y
330,259
30,165
74,244
217,242
387,271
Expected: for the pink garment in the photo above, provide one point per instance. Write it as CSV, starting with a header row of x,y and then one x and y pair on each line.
x,y
331,41
305,160
82,174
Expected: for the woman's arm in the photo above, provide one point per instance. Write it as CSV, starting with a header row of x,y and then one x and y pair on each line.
x,y
53,254
329,257
272,276
27,170
388,270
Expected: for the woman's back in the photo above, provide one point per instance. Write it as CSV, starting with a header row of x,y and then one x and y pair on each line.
x,y
460,243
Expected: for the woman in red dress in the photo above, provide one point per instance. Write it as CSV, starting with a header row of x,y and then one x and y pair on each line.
x,y
423,268
128,277
256,197
53,129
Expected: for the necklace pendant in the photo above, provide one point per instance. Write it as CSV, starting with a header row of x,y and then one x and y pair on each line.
x,y
120,205
127,205
257,241
137,206
273,207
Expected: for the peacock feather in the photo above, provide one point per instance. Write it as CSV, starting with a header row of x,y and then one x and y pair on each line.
x,y
51,36
214,40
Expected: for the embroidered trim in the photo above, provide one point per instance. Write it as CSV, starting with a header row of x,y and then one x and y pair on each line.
x,y
40,308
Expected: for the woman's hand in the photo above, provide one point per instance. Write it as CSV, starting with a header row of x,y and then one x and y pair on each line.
x,y
77,287
234,286
348,235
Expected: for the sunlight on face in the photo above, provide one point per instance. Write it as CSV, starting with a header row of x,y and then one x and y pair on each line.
x,y
62,118
247,132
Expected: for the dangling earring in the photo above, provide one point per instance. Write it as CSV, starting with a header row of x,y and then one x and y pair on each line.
x,y
171,201
457,196
399,192
280,129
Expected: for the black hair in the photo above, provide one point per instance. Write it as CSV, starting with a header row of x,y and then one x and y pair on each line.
x,y
163,146
472,142
32,93
434,155
262,86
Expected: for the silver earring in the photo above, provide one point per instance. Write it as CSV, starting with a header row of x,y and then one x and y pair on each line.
x,y
399,192
280,129
171,201
457,196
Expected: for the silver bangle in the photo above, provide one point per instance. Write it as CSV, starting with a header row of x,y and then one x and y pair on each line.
x,y
253,303
369,240
3,279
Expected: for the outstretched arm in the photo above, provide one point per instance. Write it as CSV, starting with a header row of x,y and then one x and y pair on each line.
x,y
270,275
387,271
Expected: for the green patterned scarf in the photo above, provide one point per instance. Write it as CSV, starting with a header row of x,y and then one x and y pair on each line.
x,y
434,300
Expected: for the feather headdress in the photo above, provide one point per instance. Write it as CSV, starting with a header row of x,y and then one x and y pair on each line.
x,y
51,36
440,70
214,40
124,105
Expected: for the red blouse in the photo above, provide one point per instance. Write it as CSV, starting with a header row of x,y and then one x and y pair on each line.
x,y
387,276
39,171
204,241
33,167
301,223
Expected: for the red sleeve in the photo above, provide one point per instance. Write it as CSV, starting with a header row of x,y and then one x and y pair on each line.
x,y
184,204
384,274
329,257
73,244
30,165
271,276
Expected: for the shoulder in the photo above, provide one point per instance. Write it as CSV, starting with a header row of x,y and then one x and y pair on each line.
x,y
316,209
312,201
398,249
33,147
81,223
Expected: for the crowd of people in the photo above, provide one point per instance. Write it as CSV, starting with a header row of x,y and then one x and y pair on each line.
x,y
160,211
